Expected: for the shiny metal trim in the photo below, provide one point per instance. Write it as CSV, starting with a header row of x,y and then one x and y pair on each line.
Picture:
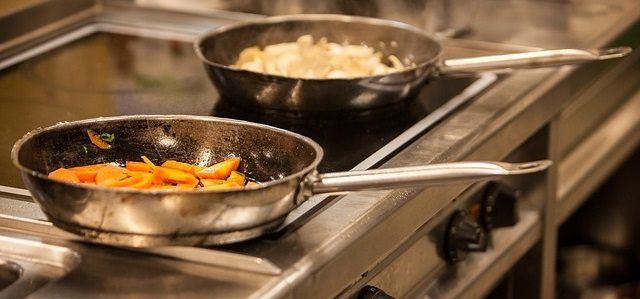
x,y
38,264
12,191
534,59
197,255
39,252
218,258
426,175
91,29
44,47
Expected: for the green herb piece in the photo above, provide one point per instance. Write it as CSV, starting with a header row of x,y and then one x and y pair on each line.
x,y
107,137
125,177
86,151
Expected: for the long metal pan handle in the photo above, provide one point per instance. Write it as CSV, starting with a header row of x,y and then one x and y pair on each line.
x,y
525,60
429,175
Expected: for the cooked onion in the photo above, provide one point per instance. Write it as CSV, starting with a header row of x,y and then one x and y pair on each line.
x,y
321,60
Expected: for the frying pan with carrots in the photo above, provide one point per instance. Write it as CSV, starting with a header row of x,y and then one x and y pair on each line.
x,y
283,162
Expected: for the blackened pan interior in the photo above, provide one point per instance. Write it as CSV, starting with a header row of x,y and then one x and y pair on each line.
x,y
268,153
223,46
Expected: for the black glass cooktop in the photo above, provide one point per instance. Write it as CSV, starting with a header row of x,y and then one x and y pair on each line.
x,y
105,74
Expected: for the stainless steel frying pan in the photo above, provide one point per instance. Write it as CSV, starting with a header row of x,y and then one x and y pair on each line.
x,y
220,48
284,161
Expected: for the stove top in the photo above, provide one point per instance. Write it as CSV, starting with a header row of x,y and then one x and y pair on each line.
x,y
107,74
115,67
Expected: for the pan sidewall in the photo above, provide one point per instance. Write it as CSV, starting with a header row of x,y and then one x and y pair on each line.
x,y
258,91
104,210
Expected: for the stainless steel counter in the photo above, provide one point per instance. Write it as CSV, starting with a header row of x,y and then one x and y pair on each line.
x,y
352,240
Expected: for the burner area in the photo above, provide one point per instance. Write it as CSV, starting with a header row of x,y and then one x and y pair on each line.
x,y
108,74
116,64
348,137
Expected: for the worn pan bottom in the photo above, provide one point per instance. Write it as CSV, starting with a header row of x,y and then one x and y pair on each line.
x,y
141,240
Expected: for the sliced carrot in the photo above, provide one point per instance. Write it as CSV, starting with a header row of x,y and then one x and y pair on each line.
x,y
225,185
148,162
237,177
97,141
179,166
157,180
113,176
63,174
174,176
171,175
142,173
211,182
137,166
196,169
146,181
187,186
87,173
220,170
126,182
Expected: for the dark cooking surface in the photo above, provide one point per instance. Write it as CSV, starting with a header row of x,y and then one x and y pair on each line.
x,y
108,74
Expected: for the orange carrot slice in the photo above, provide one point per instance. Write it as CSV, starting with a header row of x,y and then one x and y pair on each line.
x,y
211,182
179,166
187,186
144,183
63,174
174,176
148,162
237,177
87,173
220,171
112,176
196,169
137,166
157,180
97,141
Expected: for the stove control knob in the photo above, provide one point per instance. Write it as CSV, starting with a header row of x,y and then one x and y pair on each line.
x,y
371,292
500,206
463,235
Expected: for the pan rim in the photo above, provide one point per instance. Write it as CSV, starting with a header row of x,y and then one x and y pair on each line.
x,y
41,130
316,17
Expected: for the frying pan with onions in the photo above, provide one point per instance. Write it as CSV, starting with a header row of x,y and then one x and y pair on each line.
x,y
220,48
